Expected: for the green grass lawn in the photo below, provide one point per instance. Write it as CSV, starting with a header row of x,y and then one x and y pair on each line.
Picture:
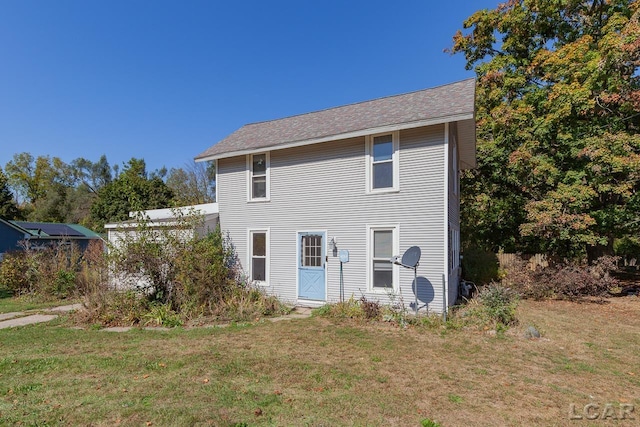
x,y
10,304
321,372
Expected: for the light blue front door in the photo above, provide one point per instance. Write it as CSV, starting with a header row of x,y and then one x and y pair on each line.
x,y
311,266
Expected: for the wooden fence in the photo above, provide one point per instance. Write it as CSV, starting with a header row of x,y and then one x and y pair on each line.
x,y
542,261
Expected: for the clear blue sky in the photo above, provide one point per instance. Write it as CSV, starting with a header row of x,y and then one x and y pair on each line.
x,y
164,80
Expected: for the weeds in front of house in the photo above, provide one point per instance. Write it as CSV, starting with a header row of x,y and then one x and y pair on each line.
x,y
153,276
493,308
361,309
174,276
50,273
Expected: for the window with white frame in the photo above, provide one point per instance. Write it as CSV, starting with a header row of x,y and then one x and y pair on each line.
x,y
259,256
382,245
258,166
382,159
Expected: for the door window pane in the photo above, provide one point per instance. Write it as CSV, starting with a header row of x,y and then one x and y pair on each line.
x,y
311,251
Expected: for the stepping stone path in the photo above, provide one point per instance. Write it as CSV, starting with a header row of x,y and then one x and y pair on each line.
x,y
22,318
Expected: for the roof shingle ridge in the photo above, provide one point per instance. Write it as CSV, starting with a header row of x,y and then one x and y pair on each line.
x,y
359,102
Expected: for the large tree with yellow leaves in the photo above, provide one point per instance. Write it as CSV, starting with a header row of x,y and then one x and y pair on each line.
x,y
558,109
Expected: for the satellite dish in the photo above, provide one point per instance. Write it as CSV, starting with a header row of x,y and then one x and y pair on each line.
x,y
411,257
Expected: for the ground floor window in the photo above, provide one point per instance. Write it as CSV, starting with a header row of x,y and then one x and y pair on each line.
x,y
382,246
259,256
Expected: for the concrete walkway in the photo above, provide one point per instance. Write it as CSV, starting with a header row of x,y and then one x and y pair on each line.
x,y
22,318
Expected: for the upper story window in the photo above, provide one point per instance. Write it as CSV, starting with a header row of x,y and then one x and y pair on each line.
x,y
382,162
258,166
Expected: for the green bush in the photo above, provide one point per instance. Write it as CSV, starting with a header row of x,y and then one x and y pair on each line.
x,y
627,247
479,266
17,273
499,304
49,273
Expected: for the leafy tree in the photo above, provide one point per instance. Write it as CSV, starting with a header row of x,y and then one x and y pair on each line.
x,y
132,190
92,175
8,206
193,184
558,101
43,182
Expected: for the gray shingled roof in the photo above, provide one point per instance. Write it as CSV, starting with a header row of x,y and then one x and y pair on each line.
x,y
435,104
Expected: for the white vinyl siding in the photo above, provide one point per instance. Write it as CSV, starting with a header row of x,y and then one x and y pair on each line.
x,y
319,187
382,171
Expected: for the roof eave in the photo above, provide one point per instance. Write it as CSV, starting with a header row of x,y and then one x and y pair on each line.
x,y
352,134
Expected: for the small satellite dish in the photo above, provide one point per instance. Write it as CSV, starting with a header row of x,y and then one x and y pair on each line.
x,y
411,257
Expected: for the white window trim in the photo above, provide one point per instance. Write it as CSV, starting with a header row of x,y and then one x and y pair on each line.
x,y
250,177
396,250
267,261
395,158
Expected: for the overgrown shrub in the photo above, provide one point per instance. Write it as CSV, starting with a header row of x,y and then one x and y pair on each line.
x,y
105,306
479,266
47,273
177,275
499,304
352,308
565,280
17,273
530,284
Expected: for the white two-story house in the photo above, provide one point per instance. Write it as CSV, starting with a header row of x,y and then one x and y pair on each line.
x,y
372,178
